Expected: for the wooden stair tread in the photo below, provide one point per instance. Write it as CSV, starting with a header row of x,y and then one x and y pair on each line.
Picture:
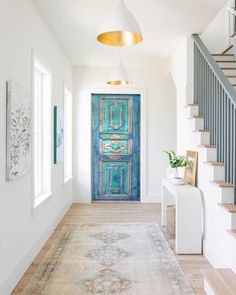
x,y
196,117
226,61
222,54
230,208
227,49
229,277
217,283
232,232
191,105
208,146
233,35
231,76
226,68
201,130
214,163
222,184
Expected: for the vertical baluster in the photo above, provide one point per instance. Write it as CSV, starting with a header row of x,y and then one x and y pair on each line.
x,y
214,107
234,152
218,121
228,141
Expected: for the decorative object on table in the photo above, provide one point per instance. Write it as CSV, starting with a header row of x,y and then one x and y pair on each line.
x,y
58,134
170,220
176,162
18,131
191,168
120,28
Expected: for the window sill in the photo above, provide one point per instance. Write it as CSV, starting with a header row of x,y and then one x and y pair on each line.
x,y
41,199
68,179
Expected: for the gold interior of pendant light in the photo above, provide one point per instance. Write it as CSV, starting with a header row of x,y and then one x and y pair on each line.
x,y
121,83
119,75
119,38
120,28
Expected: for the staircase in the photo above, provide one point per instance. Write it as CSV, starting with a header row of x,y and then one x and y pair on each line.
x,y
220,282
212,118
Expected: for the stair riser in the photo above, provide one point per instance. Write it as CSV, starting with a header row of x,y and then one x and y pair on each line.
x,y
208,154
202,138
197,123
229,72
232,80
233,221
192,111
224,58
227,195
227,64
215,173
208,288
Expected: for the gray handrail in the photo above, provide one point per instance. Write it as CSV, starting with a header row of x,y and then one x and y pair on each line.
x,y
229,89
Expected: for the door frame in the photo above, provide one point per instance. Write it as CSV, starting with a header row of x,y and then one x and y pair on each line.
x,y
143,131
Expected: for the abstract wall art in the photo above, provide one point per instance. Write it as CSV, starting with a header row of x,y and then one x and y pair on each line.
x,y
58,135
18,131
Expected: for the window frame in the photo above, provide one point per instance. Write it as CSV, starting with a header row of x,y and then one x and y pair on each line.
x,y
69,176
46,149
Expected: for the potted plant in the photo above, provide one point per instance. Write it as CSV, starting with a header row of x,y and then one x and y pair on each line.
x,y
176,162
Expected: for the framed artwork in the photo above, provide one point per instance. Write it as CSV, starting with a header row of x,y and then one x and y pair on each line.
x,y
18,131
191,168
58,134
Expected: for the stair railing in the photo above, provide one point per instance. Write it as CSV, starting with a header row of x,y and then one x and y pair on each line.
x,y
216,98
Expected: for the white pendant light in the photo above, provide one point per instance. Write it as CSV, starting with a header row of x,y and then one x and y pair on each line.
x,y
119,76
120,28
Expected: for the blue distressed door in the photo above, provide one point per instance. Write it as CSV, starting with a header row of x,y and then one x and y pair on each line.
x,y
115,142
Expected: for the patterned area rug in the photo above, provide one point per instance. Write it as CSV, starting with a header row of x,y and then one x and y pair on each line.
x,y
120,259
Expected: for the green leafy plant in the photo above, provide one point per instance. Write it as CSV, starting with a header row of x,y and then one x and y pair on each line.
x,y
176,161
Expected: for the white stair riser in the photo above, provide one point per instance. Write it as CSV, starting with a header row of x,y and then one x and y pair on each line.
x,y
232,80
208,288
227,64
197,123
192,111
215,173
229,72
233,221
223,57
208,154
202,138
227,195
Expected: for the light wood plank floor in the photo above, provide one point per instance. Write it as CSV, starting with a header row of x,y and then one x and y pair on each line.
x,y
115,212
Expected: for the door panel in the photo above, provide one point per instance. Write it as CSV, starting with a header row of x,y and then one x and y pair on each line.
x,y
115,147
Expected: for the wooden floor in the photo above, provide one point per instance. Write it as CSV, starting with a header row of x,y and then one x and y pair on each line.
x,y
115,212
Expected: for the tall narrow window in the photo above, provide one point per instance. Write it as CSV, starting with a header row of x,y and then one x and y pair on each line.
x,y
67,135
42,133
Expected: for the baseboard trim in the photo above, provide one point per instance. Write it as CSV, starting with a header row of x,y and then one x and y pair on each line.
x,y
144,199
23,263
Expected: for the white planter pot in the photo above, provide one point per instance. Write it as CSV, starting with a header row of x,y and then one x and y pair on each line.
x,y
171,172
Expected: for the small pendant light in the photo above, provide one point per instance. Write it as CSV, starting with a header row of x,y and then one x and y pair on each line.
x,y
120,28
119,76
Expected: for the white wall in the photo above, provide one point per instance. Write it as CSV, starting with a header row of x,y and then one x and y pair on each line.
x,y
160,126
23,231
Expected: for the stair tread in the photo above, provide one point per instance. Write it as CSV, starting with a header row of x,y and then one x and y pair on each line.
x,y
231,76
208,146
233,35
227,49
217,283
191,105
200,130
227,68
222,184
232,232
196,117
229,277
226,61
214,163
230,208
222,54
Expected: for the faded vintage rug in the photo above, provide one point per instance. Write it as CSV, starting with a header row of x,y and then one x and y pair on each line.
x,y
120,259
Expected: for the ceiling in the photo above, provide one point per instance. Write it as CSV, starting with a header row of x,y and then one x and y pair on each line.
x,y
75,24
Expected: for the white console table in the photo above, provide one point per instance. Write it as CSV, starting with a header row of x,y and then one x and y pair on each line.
x,y
188,201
